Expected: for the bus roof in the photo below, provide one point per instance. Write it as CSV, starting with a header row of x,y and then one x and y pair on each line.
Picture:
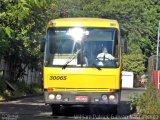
x,y
83,22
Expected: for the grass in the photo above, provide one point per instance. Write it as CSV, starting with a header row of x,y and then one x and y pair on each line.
x,y
3,87
147,103
22,89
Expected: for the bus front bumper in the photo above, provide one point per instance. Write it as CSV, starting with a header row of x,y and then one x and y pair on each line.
x,y
82,97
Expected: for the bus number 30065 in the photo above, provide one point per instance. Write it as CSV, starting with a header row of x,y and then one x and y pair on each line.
x,y
58,78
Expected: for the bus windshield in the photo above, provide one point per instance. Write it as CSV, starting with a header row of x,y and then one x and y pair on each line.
x,y
82,47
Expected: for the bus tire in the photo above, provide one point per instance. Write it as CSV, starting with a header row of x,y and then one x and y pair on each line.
x,y
111,110
55,109
114,110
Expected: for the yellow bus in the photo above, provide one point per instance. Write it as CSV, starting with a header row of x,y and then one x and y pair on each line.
x,y
82,62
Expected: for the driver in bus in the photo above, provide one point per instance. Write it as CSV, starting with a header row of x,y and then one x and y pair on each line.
x,y
105,55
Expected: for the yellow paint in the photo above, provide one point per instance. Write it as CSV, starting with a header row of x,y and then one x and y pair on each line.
x,y
83,79
83,22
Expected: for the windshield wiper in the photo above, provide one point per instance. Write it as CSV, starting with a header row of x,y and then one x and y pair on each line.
x,y
99,68
70,59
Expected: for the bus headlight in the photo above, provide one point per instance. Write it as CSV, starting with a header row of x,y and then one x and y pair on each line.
x,y
51,97
112,97
104,97
58,97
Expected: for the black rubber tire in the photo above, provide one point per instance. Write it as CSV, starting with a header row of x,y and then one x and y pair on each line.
x,y
56,109
114,110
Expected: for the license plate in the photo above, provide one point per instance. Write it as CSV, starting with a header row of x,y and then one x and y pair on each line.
x,y
81,98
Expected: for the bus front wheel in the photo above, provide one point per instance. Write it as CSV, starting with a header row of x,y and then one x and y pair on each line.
x,y
55,109
114,110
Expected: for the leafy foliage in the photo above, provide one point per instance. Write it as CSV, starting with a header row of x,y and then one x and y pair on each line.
x,y
138,21
22,23
147,103
134,62
21,89
3,86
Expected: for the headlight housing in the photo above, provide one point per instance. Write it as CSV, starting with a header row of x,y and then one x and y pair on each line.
x,y
58,97
51,96
112,97
104,97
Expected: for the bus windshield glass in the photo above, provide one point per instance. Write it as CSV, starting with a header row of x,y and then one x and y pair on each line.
x,y
82,47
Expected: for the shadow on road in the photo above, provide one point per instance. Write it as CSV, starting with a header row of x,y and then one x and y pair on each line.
x,y
34,109
81,112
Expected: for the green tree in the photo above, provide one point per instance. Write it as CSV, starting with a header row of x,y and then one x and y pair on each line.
x,y
138,22
21,24
134,63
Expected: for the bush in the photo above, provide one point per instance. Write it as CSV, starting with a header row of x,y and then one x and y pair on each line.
x,y
34,89
4,92
148,102
21,89
3,86
134,63
24,88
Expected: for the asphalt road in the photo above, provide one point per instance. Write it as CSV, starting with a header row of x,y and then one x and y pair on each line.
x,y
33,108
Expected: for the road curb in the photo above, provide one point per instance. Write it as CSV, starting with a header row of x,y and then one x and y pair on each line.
x,y
135,89
21,97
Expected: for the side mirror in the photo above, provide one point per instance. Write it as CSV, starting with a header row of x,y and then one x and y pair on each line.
x,y
124,46
42,45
